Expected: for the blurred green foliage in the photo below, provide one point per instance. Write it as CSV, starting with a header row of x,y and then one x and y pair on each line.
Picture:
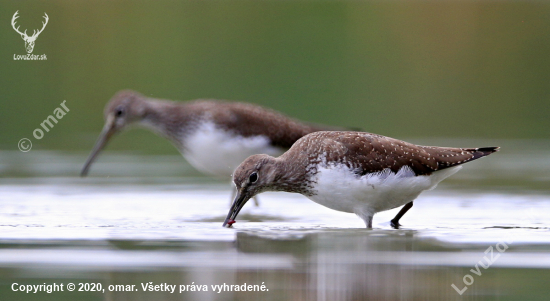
x,y
398,68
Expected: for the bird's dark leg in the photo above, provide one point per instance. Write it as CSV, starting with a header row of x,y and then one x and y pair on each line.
x,y
395,221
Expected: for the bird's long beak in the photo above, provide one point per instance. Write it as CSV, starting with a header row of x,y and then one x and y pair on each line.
x,y
106,133
241,199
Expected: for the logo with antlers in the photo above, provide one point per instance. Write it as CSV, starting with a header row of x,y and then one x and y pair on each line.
x,y
29,41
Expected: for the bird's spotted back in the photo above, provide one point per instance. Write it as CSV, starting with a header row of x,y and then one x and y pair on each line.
x,y
367,153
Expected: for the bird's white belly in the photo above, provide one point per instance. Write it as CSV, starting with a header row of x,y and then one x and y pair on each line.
x,y
338,188
218,152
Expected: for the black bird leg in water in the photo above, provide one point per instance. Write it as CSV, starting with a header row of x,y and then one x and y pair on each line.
x,y
395,221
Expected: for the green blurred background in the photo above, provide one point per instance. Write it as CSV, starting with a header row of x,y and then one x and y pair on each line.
x,y
449,69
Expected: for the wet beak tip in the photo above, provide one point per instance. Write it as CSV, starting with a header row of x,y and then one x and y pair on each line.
x,y
84,171
229,223
104,136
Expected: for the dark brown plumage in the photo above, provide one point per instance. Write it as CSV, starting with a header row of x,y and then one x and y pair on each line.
x,y
356,172
175,119
367,153
214,136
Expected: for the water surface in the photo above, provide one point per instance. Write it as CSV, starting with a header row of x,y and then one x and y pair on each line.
x,y
141,219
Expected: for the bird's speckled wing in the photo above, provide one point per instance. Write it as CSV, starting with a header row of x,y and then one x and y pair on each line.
x,y
367,153
252,120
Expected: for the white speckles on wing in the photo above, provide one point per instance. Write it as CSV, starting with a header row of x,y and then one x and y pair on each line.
x,y
353,172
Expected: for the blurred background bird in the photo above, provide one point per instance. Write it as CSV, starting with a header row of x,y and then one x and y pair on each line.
x,y
214,136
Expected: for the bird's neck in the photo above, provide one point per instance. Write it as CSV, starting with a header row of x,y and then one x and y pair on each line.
x,y
166,118
291,177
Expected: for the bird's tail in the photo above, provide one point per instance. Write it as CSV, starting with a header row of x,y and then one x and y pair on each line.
x,y
483,151
448,157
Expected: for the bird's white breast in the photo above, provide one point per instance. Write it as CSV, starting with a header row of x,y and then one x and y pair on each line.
x,y
339,188
218,152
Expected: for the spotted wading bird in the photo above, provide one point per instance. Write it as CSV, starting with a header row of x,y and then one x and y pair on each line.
x,y
214,136
353,172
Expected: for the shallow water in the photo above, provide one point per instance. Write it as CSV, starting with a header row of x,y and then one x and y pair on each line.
x,y
141,219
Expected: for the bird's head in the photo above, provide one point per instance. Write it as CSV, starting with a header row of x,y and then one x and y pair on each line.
x,y
258,173
125,108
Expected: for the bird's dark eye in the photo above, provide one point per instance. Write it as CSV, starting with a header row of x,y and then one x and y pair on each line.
x,y
253,177
119,112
